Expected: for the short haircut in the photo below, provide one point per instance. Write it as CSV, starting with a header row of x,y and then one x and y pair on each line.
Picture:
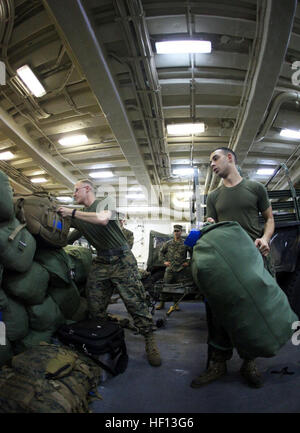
x,y
226,150
88,182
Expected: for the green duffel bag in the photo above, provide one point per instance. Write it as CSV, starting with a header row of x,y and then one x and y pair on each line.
x,y
17,246
45,316
6,198
1,273
82,311
15,317
58,263
67,298
32,339
242,294
3,300
81,258
6,353
29,287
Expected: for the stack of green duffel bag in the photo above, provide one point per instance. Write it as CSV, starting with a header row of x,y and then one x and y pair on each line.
x,y
17,249
42,286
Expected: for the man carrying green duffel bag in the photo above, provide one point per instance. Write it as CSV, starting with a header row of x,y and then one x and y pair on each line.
x,y
249,310
245,307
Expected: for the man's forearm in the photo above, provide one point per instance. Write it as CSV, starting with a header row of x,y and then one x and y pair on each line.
x,y
102,217
269,229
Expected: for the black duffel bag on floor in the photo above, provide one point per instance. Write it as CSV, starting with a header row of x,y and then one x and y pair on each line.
x,y
96,338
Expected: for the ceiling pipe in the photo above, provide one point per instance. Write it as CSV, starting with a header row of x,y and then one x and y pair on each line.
x,y
276,104
152,99
274,26
280,99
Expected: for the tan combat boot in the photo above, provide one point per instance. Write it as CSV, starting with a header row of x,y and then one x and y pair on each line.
x,y
152,351
160,306
215,370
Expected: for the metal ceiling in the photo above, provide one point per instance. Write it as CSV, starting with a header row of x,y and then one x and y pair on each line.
x,y
98,63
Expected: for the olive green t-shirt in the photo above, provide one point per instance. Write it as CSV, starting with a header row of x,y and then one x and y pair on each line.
x,y
101,237
241,203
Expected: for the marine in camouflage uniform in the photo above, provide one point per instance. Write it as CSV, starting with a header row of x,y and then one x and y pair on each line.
x,y
115,266
173,254
130,239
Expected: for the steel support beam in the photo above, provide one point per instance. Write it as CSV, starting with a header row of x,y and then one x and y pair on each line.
x,y
79,33
275,22
18,135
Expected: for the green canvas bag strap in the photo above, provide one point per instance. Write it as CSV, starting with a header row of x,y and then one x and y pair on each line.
x,y
12,236
19,210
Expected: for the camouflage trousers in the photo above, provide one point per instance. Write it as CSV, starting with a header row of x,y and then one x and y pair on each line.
x,y
109,273
172,276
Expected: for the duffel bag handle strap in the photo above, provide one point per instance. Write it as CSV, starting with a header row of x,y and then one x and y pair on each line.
x,y
104,366
12,236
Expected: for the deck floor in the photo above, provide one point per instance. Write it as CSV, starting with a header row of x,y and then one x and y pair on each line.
x,y
166,389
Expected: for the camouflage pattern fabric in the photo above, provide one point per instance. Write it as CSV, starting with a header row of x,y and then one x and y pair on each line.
x,y
129,236
177,276
171,277
174,252
48,379
109,273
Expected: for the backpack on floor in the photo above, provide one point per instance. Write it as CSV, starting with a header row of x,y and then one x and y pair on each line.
x,y
96,338
39,212
48,378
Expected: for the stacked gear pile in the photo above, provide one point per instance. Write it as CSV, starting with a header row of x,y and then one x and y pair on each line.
x,y
244,297
48,379
41,286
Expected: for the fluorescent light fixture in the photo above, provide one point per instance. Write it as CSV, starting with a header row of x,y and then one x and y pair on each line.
x,y
290,133
184,171
64,199
38,180
265,171
141,209
136,196
5,156
100,166
31,81
185,128
183,196
101,174
135,189
186,46
73,140
34,173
